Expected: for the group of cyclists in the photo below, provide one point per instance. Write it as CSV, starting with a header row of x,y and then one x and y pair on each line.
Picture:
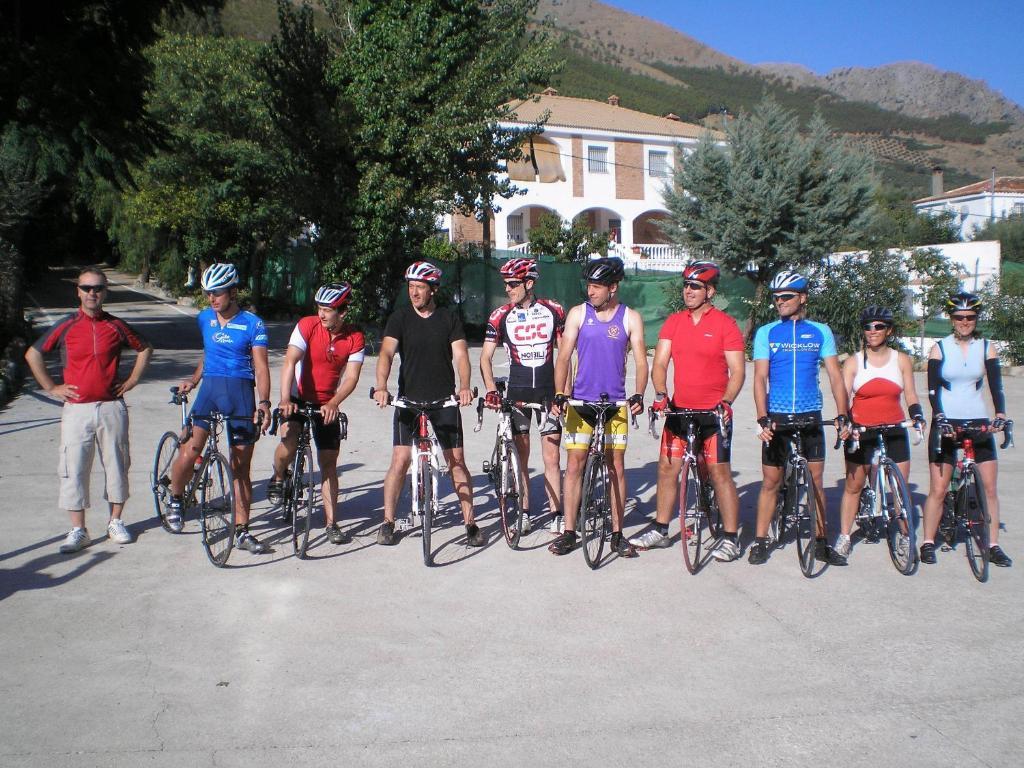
x,y
557,356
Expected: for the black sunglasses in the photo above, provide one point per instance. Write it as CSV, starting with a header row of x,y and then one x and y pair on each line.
x,y
964,318
876,326
513,283
784,296
695,285
92,288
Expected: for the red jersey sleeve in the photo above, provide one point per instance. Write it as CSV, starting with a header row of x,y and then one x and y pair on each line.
x,y
733,340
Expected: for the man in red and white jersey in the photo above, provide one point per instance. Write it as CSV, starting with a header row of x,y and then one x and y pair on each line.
x,y
321,367
706,350
94,414
529,329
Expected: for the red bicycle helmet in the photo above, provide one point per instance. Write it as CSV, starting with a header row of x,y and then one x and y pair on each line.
x,y
519,269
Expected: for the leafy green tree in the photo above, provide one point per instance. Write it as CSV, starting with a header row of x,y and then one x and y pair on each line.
x,y
1005,312
72,78
215,191
1010,234
897,224
426,85
848,284
566,241
938,279
773,199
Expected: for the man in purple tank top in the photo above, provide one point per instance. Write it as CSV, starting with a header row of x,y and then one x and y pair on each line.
x,y
601,332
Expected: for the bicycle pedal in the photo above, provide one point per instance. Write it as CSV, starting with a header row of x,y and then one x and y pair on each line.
x,y
486,467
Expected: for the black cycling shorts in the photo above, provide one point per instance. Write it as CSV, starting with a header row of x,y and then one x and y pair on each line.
x,y
521,422
326,437
984,446
897,446
775,452
446,422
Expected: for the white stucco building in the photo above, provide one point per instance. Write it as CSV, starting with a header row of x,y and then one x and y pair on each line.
x,y
975,204
595,159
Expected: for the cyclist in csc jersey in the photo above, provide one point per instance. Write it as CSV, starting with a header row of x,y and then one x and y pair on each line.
x,y
321,367
529,328
232,365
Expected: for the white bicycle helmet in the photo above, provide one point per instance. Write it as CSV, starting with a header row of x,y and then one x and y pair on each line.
x,y
333,295
217,277
788,280
423,271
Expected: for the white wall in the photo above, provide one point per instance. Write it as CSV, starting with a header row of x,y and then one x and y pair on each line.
x,y
974,211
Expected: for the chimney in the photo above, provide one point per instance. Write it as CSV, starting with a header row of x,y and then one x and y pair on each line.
x,y
673,116
549,91
613,100
936,181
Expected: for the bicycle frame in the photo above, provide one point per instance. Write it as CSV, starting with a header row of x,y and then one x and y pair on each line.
x,y
877,493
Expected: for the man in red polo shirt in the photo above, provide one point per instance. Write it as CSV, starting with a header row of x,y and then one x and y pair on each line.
x,y
706,348
321,367
94,413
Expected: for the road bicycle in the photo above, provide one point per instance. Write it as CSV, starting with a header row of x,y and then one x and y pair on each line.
x,y
211,487
298,489
797,504
594,523
426,468
885,507
965,510
700,520
504,468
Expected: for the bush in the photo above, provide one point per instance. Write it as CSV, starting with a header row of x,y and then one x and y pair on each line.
x,y
1006,313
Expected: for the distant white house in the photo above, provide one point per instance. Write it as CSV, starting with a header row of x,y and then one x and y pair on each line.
x,y
976,204
595,159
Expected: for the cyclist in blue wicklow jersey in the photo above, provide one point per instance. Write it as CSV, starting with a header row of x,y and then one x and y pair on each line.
x,y
957,365
787,353
529,329
233,363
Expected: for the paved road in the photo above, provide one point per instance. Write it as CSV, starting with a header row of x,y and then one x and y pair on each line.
x,y
145,655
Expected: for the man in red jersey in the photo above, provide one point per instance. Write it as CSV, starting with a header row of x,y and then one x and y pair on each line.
x,y
706,348
94,413
321,367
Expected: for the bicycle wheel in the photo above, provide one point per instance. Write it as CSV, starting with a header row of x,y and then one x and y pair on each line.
x,y
423,496
217,508
160,478
804,510
509,495
302,493
899,519
594,509
777,525
972,508
692,516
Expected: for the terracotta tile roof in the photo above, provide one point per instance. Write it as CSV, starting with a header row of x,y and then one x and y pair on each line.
x,y
1003,184
570,112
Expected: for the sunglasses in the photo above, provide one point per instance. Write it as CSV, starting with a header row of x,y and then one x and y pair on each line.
x,y
964,318
92,288
876,326
513,283
694,285
784,296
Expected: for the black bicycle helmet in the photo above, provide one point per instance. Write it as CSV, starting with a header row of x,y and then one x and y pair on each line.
x,y
963,302
876,312
606,271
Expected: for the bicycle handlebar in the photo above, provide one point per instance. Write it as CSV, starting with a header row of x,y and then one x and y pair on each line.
x,y
857,430
971,430
652,417
607,405
513,405
178,397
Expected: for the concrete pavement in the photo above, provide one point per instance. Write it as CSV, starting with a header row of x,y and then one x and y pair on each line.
x,y
144,654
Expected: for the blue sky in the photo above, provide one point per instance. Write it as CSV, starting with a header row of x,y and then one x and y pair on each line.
x,y
980,39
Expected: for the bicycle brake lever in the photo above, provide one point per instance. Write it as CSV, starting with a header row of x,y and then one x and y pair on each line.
x,y
479,415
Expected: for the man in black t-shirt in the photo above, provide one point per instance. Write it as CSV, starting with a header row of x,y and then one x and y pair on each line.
x,y
428,339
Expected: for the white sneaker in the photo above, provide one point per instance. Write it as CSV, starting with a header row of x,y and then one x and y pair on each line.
x,y
77,538
842,545
557,525
527,523
726,551
653,539
117,533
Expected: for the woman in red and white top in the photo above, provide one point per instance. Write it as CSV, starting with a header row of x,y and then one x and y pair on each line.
x,y
876,379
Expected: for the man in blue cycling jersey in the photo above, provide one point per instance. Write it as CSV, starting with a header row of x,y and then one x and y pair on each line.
x,y
787,354
233,365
